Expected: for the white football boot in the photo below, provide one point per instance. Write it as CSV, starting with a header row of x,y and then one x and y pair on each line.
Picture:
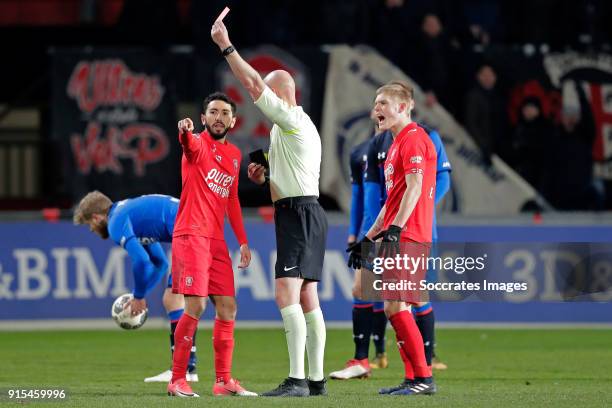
x,y
166,376
352,369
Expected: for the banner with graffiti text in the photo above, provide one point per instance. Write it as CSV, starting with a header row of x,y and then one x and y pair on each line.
x,y
113,121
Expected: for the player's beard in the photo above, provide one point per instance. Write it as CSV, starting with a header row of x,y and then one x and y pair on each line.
x,y
215,135
102,229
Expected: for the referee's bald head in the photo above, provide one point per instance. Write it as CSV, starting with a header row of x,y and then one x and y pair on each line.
x,y
282,84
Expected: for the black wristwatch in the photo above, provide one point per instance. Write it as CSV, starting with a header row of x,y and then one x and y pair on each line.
x,y
228,51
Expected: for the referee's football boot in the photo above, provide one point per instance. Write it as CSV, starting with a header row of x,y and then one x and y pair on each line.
x,y
290,387
405,384
418,388
317,387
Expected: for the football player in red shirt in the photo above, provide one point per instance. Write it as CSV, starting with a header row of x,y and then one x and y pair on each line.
x,y
406,217
201,266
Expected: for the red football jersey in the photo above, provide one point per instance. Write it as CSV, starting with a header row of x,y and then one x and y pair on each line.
x,y
412,152
209,171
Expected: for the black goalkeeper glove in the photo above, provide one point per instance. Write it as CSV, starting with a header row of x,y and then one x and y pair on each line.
x,y
390,241
355,259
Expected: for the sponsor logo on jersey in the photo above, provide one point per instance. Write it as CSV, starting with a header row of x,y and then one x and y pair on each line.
x,y
389,177
219,182
416,159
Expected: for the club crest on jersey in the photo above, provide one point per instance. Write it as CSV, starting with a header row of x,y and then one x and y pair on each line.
x,y
218,157
188,281
235,164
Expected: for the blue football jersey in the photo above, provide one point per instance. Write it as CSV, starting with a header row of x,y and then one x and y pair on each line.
x,y
358,162
139,225
148,218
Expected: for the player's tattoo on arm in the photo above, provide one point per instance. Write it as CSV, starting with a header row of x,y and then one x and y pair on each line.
x,y
378,223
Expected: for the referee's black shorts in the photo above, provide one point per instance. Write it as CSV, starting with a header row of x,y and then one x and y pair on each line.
x,y
301,235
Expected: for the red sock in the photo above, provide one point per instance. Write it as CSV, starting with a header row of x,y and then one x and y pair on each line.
x,y
364,362
183,340
223,343
408,371
410,338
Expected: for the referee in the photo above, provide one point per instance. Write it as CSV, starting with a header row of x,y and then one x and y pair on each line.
x,y
301,225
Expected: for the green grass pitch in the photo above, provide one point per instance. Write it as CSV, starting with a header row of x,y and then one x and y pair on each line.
x,y
487,367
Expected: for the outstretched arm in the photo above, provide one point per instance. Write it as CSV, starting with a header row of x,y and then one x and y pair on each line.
x,y
246,74
190,144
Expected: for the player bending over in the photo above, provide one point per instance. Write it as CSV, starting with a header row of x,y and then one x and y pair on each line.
x,y
139,225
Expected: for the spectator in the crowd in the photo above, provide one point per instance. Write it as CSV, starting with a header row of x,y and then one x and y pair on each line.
x,y
393,15
433,61
484,113
571,184
482,21
531,143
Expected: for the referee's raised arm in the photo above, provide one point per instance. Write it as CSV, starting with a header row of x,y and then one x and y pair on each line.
x,y
246,74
